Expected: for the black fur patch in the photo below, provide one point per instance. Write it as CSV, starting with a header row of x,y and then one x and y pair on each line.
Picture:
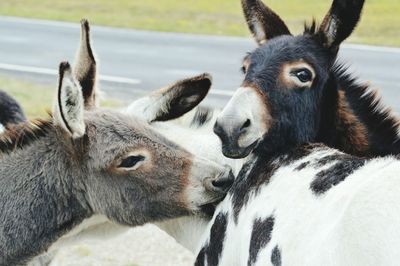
x,y
276,259
10,111
201,257
202,116
260,237
330,159
300,152
332,176
213,250
302,166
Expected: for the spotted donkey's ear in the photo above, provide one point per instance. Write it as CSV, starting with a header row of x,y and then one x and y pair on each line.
x,y
69,107
85,67
174,101
340,21
264,23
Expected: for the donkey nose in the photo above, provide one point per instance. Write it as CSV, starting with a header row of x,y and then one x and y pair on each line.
x,y
245,125
224,182
229,129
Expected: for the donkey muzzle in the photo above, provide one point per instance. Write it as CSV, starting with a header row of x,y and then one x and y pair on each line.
x,y
230,135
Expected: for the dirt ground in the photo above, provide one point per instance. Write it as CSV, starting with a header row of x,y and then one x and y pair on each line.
x,y
141,246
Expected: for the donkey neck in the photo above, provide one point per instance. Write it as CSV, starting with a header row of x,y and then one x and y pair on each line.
x,y
354,120
340,128
40,199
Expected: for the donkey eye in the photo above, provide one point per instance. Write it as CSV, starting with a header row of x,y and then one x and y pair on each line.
x,y
304,75
131,161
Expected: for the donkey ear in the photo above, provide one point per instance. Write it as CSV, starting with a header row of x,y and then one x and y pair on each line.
x,y
174,101
263,23
68,110
340,21
85,67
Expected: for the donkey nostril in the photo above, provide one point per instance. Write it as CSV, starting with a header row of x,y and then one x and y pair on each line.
x,y
245,125
224,183
217,129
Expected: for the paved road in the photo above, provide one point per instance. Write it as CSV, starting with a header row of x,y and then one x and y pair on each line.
x,y
133,62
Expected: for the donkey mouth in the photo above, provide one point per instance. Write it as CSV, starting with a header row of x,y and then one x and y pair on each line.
x,y
236,152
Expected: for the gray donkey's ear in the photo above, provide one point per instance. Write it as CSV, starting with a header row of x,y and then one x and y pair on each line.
x,y
85,67
69,107
173,101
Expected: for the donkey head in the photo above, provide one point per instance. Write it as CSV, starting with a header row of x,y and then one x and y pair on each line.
x,y
126,170
286,80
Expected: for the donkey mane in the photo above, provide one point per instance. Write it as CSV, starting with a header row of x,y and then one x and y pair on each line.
x,y
311,28
23,134
382,125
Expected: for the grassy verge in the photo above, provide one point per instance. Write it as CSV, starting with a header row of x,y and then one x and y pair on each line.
x,y
36,99
380,23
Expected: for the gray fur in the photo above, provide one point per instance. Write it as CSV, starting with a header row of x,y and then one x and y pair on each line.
x,y
51,184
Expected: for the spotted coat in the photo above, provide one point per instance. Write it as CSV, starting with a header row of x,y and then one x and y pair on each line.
x,y
310,206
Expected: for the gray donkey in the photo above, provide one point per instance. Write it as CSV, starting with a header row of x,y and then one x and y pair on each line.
x,y
84,160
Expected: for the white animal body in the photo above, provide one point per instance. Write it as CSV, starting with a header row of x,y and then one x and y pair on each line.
x,y
311,206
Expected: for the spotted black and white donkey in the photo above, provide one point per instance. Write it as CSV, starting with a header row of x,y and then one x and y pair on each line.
x,y
295,203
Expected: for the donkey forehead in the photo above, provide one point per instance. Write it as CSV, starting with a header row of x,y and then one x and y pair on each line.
x,y
289,48
123,128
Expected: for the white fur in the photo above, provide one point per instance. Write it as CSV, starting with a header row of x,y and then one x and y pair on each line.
x,y
356,222
2,129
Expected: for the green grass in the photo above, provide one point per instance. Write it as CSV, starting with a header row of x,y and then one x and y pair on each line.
x,y
379,25
36,99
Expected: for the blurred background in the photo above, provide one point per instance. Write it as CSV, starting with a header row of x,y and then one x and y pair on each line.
x,y
145,45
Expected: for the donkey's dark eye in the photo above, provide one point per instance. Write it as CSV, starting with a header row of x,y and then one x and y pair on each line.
x,y
131,161
304,75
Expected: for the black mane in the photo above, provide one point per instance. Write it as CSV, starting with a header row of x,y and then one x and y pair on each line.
x,y
381,123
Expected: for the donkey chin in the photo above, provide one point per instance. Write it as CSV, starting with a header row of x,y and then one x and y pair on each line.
x,y
234,151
